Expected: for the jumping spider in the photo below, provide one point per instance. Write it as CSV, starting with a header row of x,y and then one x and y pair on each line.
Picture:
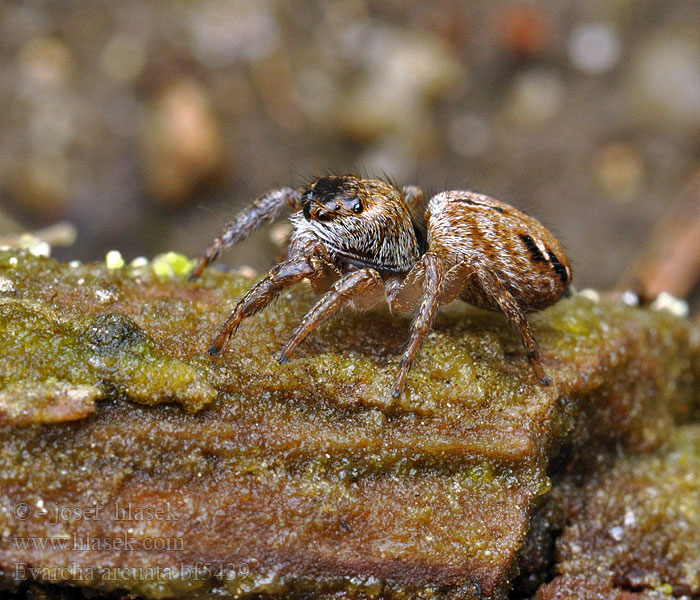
x,y
361,241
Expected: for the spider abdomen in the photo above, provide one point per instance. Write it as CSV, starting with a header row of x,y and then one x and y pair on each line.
x,y
474,232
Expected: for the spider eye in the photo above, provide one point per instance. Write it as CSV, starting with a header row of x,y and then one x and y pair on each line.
x,y
357,207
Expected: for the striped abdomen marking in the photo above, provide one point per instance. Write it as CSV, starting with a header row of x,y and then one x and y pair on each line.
x,y
532,248
537,253
559,269
473,202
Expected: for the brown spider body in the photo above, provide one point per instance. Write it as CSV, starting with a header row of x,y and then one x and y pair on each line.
x,y
466,229
361,241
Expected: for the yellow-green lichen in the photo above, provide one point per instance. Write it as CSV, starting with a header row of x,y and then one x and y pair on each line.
x,y
172,264
402,499
84,359
114,260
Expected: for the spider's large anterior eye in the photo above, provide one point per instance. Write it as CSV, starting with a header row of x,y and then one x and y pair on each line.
x,y
357,207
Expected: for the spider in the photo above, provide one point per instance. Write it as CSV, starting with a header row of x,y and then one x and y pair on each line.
x,y
362,241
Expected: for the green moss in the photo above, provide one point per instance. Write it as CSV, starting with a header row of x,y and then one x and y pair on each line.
x,y
108,353
114,260
172,264
266,460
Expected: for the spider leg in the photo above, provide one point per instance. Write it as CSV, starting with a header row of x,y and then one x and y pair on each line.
x,y
352,284
264,209
413,196
515,314
433,281
283,275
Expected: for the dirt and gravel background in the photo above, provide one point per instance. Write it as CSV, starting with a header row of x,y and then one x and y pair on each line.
x,y
147,125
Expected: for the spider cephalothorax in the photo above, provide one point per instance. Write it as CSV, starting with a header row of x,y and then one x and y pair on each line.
x,y
355,237
363,221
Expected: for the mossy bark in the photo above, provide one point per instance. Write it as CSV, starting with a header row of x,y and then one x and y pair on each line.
x,y
303,478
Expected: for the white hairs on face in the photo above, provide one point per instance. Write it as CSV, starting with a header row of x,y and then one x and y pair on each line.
x,y
377,238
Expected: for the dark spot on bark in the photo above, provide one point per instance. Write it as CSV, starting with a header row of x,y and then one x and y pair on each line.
x,y
114,333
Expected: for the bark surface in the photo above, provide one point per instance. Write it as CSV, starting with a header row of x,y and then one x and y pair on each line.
x,y
168,473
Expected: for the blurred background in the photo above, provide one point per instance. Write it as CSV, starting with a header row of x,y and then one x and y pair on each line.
x,y
147,125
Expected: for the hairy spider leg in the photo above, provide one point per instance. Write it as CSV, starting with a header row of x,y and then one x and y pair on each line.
x,y
433,282
515,314
264,209
413,196
283,275
352,284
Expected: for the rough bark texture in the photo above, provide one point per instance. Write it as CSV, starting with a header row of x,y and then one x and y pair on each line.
x,y
168,473
639,527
